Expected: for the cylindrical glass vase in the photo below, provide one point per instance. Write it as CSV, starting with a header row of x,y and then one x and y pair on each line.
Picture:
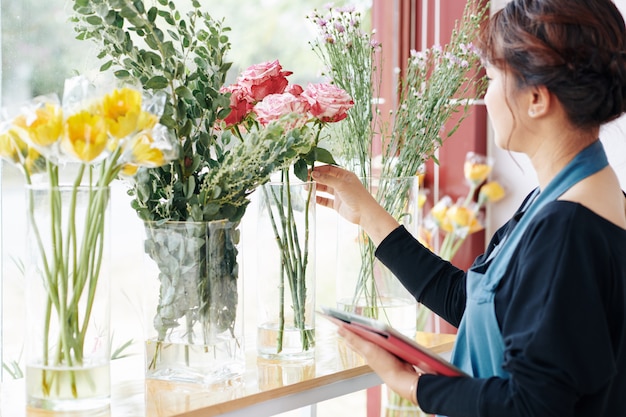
x,y
364,285
286,271
193,302
67,348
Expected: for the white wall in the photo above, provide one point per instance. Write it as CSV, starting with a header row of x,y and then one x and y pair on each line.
x,y
517,176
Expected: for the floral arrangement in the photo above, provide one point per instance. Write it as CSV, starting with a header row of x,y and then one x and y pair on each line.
x,y
226,150
437,83
457,220
96,138
262,98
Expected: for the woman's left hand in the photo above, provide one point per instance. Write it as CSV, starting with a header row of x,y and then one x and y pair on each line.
x,y
398,375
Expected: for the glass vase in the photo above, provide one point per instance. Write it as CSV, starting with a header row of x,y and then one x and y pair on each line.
x,y
67,346
286,271
193,302
363,284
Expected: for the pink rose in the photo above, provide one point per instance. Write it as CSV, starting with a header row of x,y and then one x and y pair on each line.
x,y
294,89
240,105
263,79
274,106
329,103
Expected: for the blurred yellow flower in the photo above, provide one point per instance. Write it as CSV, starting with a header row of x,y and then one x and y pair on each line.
x,y
144,153
439,210
9,146
85,135
476,172
460,216
129,170
421,200
121,109
46,126
459,220
34,162
490,193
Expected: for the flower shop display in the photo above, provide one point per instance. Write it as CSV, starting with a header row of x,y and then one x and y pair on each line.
x,y
436,84
69,153
457,220
183,56
285,240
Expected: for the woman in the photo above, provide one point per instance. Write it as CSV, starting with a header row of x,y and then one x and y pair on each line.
x,y
542,314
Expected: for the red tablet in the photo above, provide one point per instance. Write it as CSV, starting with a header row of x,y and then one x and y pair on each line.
x,y
395,342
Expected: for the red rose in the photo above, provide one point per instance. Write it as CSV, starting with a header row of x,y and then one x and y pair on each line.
x,y
263,79
329,103
274,106
240,105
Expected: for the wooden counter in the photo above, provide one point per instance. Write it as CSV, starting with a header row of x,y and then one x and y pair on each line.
x,y
267,388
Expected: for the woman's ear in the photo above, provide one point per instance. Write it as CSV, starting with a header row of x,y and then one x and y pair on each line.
x,y
539,100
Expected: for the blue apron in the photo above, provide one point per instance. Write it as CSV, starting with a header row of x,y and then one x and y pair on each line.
x,y
479,349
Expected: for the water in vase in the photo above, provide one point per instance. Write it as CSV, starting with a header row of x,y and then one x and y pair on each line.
x,y
68,388
194,363
295,344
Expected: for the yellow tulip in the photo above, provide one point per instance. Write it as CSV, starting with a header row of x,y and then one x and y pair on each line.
x,y
475,226
475,172
122,111
490,192
438,212
460,216
34,162
9,149
144,153
46,127
85,135
146,121
129,170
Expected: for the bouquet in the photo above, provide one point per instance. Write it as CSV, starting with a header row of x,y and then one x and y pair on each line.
x,y
221,162
261,99
89,139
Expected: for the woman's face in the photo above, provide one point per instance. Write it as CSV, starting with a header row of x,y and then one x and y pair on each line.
x,y
499,108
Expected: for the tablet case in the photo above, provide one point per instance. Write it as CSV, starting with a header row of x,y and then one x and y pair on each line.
x,y
395,342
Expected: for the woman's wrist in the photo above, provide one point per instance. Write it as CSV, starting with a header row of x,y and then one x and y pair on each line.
x,y
413,389
378,223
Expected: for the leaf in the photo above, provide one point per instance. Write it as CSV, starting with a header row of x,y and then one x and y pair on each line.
x,y
122,74
301,169
191,187
157,82
106,66
184,92
324,156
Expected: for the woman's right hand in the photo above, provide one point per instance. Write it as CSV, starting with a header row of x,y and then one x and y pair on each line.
x,y
353,201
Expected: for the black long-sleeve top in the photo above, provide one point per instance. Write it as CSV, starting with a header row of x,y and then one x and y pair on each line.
x,y
561,308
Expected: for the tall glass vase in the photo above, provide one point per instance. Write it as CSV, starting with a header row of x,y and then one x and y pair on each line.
x,y
286,271
193,302
67,348
364,285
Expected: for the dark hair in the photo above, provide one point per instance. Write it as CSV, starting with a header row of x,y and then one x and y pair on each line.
x,y
575,48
